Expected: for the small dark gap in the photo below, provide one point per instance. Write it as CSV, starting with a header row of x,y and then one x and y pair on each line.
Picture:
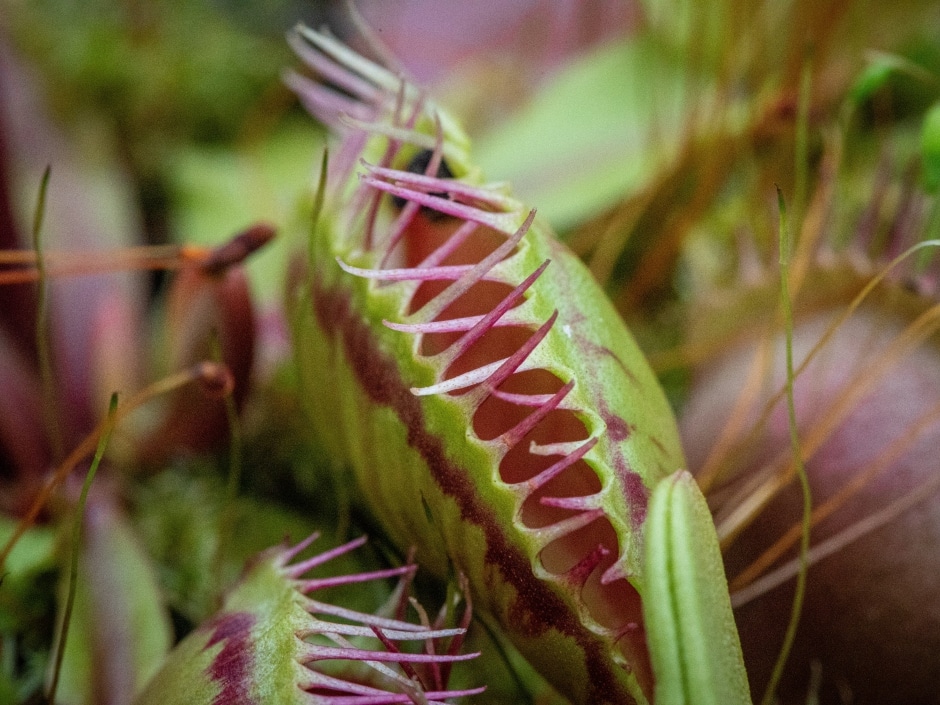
x,y
426,291
558,426
577,480
425,236
539,381
563,554
495,417
478,300
614,604
495,344
477,247
433,343
537,516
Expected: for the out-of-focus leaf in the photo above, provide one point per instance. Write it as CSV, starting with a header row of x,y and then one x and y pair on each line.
x,y
930,148
120,631
219,191
603,127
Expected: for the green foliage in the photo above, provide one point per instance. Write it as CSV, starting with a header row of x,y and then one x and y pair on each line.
x,y
692,635
930,149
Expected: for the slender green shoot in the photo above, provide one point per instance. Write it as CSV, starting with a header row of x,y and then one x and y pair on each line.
x,y
318,199
77,543
43,349
797,452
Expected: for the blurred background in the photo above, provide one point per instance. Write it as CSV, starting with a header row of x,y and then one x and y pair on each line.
x,y
652,135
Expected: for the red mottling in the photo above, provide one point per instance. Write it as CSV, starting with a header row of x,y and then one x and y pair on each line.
x,y
537,608
232,666
637,493
638,496
593,348
618,430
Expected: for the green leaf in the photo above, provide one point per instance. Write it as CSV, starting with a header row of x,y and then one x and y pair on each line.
x,y
691,632
605,126
930,148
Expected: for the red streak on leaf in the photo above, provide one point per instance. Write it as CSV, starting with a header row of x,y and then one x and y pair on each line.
x,y
537,607
232,666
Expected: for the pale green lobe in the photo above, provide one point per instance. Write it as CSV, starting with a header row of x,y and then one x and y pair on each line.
x,y
562,573
692,635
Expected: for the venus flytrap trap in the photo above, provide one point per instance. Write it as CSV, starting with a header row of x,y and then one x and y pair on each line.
x,y
494,410
272,642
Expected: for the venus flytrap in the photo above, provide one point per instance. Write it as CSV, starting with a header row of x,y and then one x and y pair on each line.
x,y
495,411
272,642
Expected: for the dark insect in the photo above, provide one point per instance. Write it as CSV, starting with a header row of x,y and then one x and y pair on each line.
x,y
419,165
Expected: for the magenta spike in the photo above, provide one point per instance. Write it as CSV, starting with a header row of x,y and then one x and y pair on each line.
x,y
522,399
534,483
626,629
579,574
447,357
498,220
432,698
319,626
577,503
436,306
617,571
428,645
371,196
288,554
391,132
333,72
374,201
512,363
467,379
391,150
562,448
315,679
313,584
450,272
435,695
299,569
553,532
519,431
325,104
316,607
341,167
398,230
411,208
392,647
327,653
457,642
428,183
400,594
451,325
